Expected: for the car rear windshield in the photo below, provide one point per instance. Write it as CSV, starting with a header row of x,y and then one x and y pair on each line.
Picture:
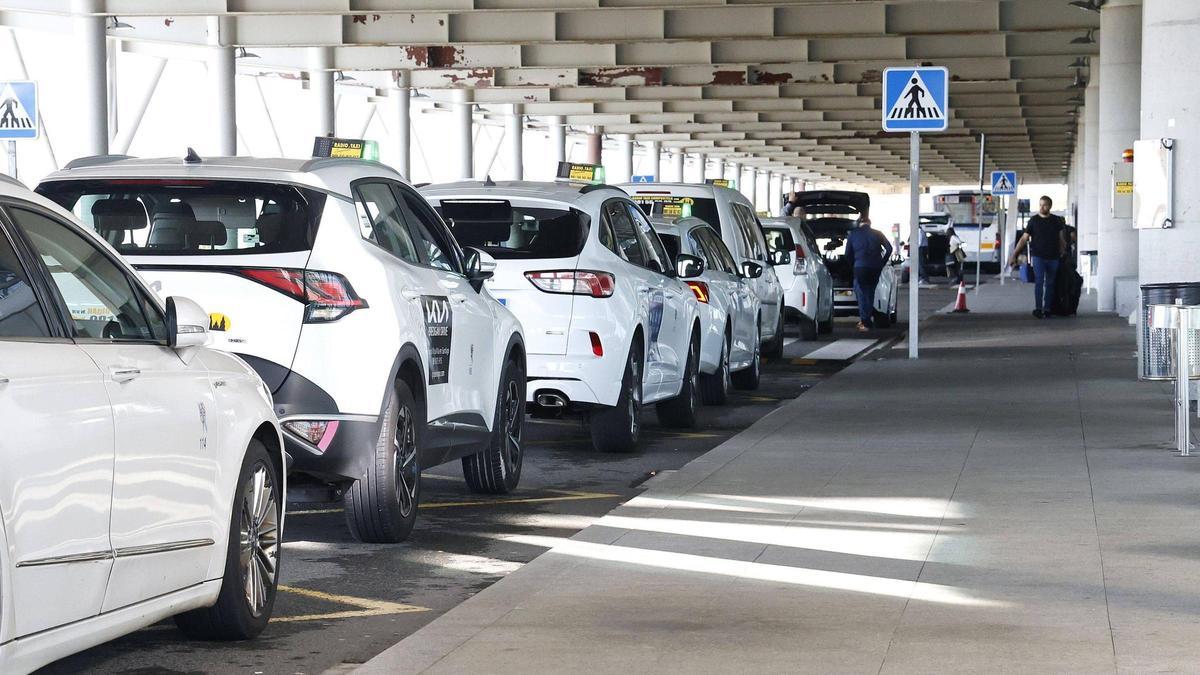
x,y
779,238
670,207
167,217
506,231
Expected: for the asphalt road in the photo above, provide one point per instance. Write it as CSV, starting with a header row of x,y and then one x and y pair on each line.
x,y
343,602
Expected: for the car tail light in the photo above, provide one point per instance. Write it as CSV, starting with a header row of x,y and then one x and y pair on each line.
x,y
597,346
801,263
318,432
699,289
574,282
328,296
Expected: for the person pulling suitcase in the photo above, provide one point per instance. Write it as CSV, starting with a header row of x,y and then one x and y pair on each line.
x,y
1045,236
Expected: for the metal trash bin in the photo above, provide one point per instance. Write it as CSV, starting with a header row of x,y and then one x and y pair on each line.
x,y
1161,349
1156,358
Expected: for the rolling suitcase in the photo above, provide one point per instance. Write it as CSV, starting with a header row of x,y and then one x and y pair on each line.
x,y
1068,286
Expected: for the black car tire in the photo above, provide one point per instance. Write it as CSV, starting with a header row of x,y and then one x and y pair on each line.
x,y
497,469
381,507
680,412
747,378
714,388
246,599
808,328
617,429
774,348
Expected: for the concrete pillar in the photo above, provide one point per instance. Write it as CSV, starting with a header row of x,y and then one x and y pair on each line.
x,y
464,127
654,158
720,168
93,75
514,140
403,98
701,166
320,87
558,137
1088,225
735,175
677,166
595,147
222,92
1120,122
1078,189
625,168
1170,108
751,190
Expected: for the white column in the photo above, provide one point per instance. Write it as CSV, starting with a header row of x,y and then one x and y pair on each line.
x,y
752,184
403,103
654,157
677,166
595,146
514,139
92,68
701,166
1079,188
320,88
1120,121
1170,108
735,174
222,76
558,137
625,168
1088,226
464,127
720,168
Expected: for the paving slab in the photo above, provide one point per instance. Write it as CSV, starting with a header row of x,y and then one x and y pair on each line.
x,y
1007,503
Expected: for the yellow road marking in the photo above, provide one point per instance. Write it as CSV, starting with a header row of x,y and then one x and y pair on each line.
x,y
366,606
560,496
759,399
804,362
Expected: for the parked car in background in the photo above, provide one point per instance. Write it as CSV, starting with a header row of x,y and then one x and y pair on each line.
x,y
935,225
732,216
807,284
831,215
610,325
142,474
729,309
340,285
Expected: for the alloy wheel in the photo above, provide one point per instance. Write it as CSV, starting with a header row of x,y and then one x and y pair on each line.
x,y
259,543
635,395
407,476
513,424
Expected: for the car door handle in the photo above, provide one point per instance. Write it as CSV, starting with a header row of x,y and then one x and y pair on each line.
x,y
643,289
412,296
124,374
3,380
458,298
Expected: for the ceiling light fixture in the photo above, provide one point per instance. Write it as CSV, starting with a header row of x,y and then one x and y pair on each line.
x,y
1088,38
1087,5
1079,82
343,77
1081,62
241,53
113,23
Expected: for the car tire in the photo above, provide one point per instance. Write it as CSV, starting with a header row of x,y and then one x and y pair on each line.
x,y
251,576
826,327
497,470
747,378
714,388
617,429
808,328
680,412
381,507
774,348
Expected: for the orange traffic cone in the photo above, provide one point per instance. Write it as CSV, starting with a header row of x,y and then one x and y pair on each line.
x,y
960,305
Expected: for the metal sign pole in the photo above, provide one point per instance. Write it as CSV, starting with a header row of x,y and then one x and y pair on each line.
x,y
1183,372
914,238
979,214
12,159
1003,227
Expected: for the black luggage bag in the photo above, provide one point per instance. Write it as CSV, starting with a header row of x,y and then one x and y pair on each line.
x,y
1068,286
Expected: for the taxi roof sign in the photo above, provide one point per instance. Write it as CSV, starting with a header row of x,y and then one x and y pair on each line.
x,y
580,173
345,148
721,182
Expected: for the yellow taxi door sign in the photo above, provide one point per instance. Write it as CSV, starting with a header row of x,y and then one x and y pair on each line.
x,y
218,322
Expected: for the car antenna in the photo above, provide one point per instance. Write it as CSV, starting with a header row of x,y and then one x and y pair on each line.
x,y
488,182
192,157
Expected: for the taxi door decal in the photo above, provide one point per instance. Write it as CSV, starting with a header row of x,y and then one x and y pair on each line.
x,y
439,327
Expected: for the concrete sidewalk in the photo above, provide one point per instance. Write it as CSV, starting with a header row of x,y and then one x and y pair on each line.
x,y
1012,506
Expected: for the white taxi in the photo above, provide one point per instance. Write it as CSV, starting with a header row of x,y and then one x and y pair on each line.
x,y
730,351
608,323
141,473
339,284
807,284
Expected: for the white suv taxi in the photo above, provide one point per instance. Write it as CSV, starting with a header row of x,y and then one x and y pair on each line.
x,y
732,216
609,325
339,284
141,473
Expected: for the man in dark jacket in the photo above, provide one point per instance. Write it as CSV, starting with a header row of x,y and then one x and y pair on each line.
x,y
868,251
1045,235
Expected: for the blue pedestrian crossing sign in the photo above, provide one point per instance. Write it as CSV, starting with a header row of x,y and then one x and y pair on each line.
x,y
1004,183
916,99
642,179
18,111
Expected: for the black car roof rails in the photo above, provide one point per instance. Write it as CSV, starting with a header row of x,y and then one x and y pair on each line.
x,y
95,160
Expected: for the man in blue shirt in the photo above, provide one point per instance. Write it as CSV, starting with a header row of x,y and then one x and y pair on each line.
x,y
868,251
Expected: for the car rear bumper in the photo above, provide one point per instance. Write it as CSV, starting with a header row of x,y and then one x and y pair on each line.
x,y
587,380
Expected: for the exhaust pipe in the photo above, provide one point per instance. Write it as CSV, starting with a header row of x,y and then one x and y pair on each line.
x,y
552,400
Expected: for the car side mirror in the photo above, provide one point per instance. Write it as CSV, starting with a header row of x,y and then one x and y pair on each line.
x,y
780,257
751,270
688,266
479,267
187,323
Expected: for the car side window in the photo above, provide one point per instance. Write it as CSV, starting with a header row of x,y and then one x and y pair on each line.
x,y
381,220
628,242
656,253
21,315
718,248
430,232
102,298
748,224
607,239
